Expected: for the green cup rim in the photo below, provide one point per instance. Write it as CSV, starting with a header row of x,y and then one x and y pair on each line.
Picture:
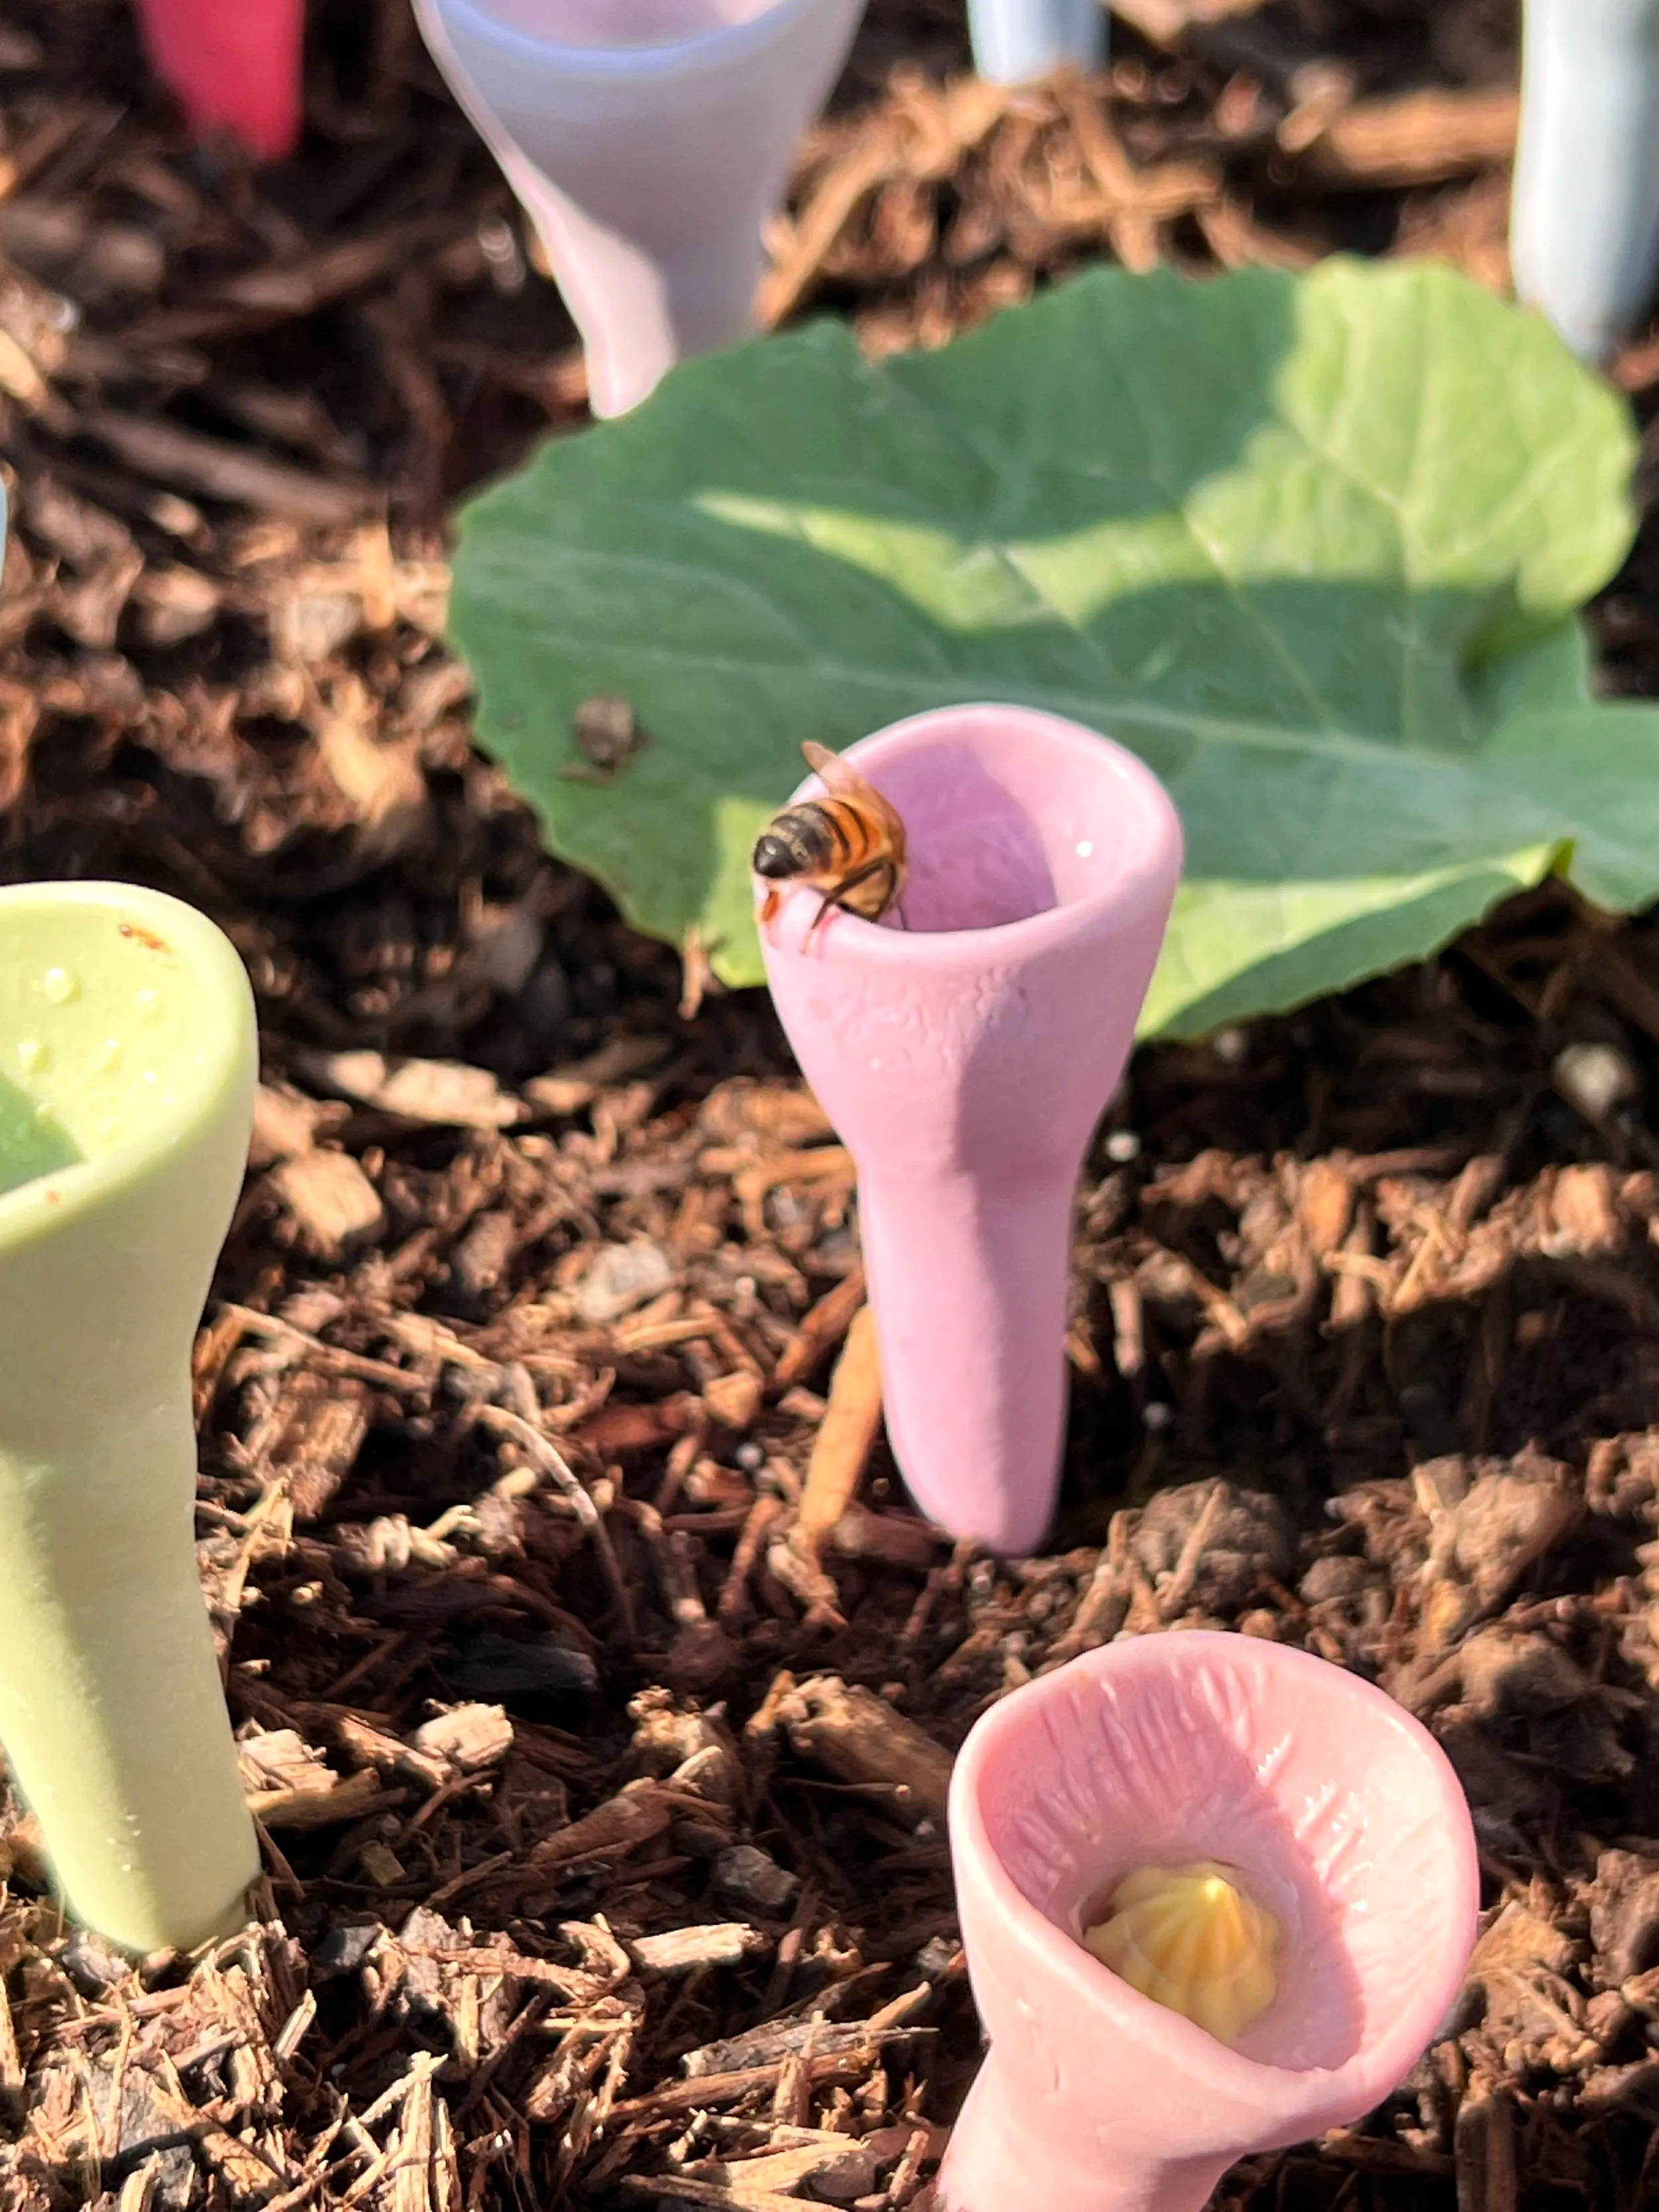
x,y
224,1007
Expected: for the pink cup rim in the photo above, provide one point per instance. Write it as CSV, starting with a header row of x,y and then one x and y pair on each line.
x,y
1142,886
1165,2037
705,49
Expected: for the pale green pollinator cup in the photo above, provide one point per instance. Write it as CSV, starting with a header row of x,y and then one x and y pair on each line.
x,y
127,1067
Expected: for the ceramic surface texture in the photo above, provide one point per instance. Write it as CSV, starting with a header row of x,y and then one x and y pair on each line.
x,y
1342,1815
965,1060
127,1065
1584,225
649,166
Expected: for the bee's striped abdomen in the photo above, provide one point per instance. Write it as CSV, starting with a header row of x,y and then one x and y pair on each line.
x,y
854,834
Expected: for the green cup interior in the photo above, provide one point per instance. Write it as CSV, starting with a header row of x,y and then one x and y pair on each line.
x,y
118,1019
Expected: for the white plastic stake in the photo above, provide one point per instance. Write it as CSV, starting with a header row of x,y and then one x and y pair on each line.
x,y
1018,40
1584,226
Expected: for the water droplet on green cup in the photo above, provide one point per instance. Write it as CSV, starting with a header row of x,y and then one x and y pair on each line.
x,y
59,985
32,1056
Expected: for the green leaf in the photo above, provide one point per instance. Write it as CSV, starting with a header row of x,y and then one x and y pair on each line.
x,y
1311,546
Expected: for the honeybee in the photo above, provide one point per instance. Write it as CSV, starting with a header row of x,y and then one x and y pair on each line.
x,y
850,846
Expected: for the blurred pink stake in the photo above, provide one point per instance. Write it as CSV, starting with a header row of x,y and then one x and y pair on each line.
x,y
964,1058
649,141
1344,1819
233,65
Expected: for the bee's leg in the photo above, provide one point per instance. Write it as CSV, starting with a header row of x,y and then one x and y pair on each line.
x,y
829,899
892,897
883,868
864,875
769,906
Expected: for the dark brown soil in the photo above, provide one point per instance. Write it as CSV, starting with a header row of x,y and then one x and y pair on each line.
x,y
510,1382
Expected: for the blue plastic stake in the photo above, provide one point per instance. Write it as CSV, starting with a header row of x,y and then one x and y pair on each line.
x,y
1016,40
1585,226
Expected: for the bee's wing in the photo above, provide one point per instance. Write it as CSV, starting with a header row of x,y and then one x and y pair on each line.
x,y
840,777
833,772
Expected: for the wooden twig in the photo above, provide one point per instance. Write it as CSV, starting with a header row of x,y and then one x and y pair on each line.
x,y
552,1461
843,1443
1173,1597
1421,138
821,1326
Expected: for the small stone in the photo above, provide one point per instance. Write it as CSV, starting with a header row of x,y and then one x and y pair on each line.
x,y
748,1875
91,1964
622,1277
143,2124
344,1949
938,1958
1595,1079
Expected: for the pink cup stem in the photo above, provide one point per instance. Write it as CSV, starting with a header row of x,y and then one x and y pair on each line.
x,y
233,65
966,1060
1342,1817
998,2150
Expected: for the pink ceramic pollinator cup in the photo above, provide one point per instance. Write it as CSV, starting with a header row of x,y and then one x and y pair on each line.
x,y
965,1060
648,140
1345,1820
233,65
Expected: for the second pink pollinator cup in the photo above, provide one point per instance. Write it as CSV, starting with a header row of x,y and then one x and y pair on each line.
x,y
648,140
965,1058
1343,1819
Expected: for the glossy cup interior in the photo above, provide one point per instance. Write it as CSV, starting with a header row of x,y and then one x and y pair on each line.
x,y
1338,1813
1007,815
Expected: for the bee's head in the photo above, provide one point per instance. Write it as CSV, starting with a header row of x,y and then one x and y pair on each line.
x,y
771,857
